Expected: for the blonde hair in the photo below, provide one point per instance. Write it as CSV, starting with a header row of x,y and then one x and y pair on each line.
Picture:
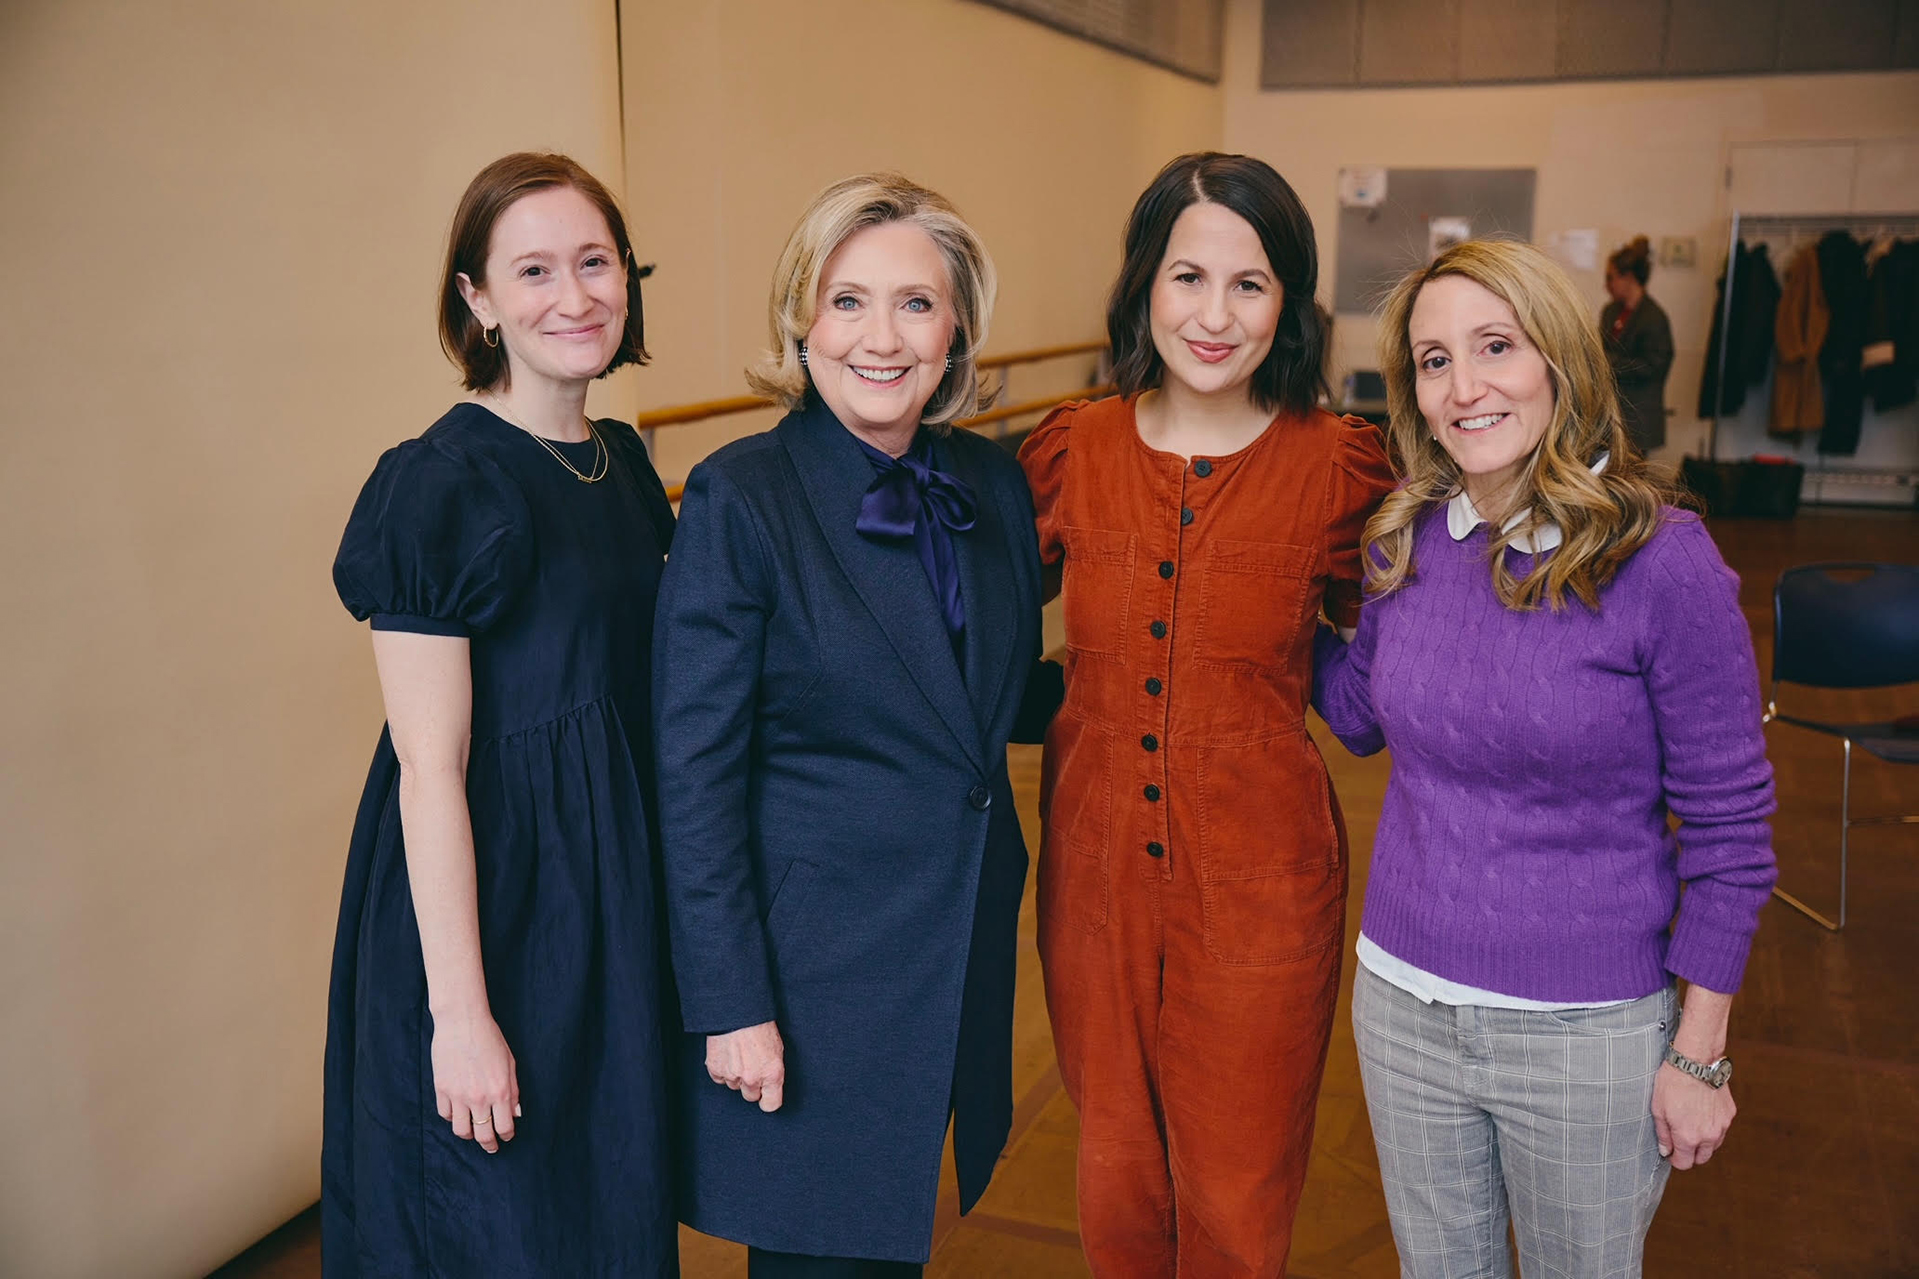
x,y
1603,518
851,205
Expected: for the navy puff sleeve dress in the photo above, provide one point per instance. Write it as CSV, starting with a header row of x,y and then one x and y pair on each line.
x,y
475,530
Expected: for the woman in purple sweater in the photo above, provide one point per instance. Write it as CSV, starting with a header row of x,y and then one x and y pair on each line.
x,y
1557,659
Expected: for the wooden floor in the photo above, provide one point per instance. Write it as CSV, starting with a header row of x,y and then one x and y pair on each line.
x,y
1820,1176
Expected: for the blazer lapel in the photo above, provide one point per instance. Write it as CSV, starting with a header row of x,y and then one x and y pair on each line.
x,y
887,575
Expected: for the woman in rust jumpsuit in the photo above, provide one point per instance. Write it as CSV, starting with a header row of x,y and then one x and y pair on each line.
x,y
1192,881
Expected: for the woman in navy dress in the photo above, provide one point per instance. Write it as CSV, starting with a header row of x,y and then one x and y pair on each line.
x,y
495,1076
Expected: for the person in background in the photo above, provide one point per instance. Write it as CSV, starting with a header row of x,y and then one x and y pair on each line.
x,y
845,635
1556,659
1193,877
496,1092
1638,340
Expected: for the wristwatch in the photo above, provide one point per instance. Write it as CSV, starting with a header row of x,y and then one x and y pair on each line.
x,y
1715,1074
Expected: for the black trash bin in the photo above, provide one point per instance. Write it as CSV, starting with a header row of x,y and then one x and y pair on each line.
x,y
1764,489
1769,488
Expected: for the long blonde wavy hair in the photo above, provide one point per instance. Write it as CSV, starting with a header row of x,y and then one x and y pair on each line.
x,y
1603,518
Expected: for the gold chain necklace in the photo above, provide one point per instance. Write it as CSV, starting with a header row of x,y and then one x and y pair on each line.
x,y
599,471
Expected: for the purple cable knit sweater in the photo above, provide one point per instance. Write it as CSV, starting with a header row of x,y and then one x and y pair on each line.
x,y
1523,846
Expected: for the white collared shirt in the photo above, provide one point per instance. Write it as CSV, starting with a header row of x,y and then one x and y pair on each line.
x,y
1462,517
1431,988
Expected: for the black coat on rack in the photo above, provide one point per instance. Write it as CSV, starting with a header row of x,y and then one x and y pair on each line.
x,y
1842,273
1893,319
1755,299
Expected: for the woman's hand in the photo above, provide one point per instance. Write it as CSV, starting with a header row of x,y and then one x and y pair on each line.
x,y
475,1083
752,1062
1689,1115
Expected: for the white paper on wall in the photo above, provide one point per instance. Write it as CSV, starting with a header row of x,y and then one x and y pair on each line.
x,y
1362,186
1577,248
1444,233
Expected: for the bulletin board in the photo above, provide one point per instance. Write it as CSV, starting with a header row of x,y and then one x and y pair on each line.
x,y
1386,228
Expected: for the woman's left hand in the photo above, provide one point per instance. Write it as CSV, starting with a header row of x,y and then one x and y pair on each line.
x,y
1690,1116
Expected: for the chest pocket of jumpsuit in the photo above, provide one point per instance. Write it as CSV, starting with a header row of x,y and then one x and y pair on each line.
x,y
1098,589
1253,601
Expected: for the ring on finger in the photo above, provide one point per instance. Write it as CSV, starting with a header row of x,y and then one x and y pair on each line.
x,y
482,1119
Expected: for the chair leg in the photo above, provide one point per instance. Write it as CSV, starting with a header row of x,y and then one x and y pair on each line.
x,y
1845,825
1845,828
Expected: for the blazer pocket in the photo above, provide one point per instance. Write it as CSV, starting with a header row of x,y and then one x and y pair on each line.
x,y
1097,589
783,907
1253,598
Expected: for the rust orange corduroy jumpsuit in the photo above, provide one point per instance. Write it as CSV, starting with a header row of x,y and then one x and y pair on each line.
x,y
1192,877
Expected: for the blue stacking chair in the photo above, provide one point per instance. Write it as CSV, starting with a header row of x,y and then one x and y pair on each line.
x,y
1847,625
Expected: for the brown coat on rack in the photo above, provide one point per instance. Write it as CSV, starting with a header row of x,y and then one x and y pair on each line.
x,y
1799,330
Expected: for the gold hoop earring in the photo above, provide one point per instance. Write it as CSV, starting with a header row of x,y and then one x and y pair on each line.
x,y
490,336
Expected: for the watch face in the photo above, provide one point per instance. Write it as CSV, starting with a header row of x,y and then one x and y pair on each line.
x,y
1716,1074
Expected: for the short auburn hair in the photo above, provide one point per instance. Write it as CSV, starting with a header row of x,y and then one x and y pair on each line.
x,y
834,217
493,191
1292,375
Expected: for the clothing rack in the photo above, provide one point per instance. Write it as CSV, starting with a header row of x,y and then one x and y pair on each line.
x,y
1796,228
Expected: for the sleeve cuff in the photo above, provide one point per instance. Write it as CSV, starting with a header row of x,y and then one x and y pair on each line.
x,y
1342,604
417,625
722,1013
1703,957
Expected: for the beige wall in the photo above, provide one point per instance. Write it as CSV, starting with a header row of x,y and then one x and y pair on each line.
x,y
1624,157
219,233
219,230
738,111
220,238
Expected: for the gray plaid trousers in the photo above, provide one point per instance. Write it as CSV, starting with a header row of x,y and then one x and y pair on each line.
x,y
1484,1116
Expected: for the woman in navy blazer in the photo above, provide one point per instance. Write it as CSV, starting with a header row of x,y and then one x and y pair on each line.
x,y
845,631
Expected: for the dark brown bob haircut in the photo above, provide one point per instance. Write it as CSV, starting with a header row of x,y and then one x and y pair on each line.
x,y
493,191
1634,259
1291,376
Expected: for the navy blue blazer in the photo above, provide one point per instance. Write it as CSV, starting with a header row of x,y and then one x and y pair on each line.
x,y
839,843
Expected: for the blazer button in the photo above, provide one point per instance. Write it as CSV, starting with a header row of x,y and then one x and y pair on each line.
x,y
1152,792
1156,849
1150,742
1202,468
980,798
1158,629
1154,687
1165,568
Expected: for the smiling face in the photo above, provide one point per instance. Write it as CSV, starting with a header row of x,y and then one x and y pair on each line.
x,y
555,288
1484,389
1215,302
877,349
